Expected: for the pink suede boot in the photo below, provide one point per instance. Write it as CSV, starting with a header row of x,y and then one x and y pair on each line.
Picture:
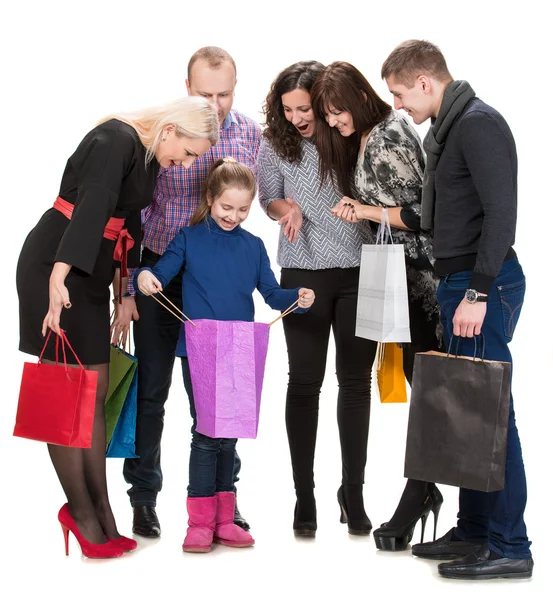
x,y
201,524
226,532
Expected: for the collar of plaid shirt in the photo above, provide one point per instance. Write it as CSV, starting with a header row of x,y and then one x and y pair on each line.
x,y
177,192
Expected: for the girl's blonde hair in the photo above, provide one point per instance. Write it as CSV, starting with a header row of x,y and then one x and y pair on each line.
x,y
193,117
224,174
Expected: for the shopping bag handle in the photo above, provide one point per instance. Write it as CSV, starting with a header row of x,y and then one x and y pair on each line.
x,y
475,346
384,233
64,340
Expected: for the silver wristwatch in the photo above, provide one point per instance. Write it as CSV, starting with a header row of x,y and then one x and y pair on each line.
x,y
472,296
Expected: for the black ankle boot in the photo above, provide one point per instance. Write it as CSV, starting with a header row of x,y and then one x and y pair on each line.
x,y
350,499
305,515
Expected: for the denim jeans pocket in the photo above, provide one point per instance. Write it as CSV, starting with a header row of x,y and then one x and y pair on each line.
x,y
512,298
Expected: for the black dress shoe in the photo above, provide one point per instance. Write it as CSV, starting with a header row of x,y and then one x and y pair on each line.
x,y
239,519
445,548
145,522
480,565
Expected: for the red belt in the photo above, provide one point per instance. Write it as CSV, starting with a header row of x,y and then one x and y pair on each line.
x,y
114,231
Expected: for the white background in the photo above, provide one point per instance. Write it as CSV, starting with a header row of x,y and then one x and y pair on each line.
x,y
67,64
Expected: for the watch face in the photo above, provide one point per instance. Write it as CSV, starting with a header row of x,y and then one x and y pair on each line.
x,y
471,296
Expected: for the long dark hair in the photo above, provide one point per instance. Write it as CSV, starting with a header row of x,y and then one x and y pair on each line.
x,y
223,174
284,137
345,88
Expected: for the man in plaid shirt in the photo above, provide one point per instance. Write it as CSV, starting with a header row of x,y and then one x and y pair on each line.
x,y
211,74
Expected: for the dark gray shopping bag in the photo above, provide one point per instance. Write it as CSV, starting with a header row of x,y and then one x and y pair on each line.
x,y
458,421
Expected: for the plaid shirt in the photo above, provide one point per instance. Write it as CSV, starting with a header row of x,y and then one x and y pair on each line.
x,y
177,192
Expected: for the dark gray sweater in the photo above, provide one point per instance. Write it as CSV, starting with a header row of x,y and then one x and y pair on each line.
x,y
476,196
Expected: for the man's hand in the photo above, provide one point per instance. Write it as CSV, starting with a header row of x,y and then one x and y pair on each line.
x,y
124,314
468,318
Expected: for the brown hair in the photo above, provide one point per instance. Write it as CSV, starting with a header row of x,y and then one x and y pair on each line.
x,y
224,174
214,57
413,58
284,137
345,88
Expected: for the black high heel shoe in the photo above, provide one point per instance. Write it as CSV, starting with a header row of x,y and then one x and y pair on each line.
x,y
305,518
437,501
352,510
396,539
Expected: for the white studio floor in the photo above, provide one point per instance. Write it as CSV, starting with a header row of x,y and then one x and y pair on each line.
x,y
335,564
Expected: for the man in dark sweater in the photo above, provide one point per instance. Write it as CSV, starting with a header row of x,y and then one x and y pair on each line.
x,y
470,203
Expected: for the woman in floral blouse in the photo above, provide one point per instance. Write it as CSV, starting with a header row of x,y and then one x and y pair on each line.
x,y
376,161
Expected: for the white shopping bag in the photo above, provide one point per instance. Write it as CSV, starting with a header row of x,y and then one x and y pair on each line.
x,y
382,304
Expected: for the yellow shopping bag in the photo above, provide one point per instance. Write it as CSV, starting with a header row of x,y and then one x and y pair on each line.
x,y
389,373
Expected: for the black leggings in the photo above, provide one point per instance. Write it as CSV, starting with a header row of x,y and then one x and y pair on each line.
x,y
307,338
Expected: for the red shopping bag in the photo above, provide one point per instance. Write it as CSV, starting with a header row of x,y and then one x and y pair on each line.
x,y
56,402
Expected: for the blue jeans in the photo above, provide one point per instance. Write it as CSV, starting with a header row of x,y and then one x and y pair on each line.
x,y
211,459
497,517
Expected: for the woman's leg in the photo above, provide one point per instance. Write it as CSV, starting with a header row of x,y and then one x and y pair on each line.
x,y
94,458
424,339
307,338
73,467
354,360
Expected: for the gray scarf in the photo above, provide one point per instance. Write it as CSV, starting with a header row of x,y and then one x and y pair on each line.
x,y
456,96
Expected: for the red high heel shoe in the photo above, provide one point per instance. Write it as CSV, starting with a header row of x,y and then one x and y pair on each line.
x,y
107,550
126,544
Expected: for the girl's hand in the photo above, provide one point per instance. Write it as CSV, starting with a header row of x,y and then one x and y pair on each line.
x,y
348,210
124,314
59,298
148,284
292,221
306,298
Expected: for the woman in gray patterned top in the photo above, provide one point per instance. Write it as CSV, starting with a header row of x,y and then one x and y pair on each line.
x,y
373,155
323,252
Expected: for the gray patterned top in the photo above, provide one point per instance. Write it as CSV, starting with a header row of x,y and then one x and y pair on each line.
x,y
324,241
389,174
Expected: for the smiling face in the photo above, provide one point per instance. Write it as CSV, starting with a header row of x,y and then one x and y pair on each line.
x,y
341,119
175,150
231,208
297,110
215,85
418,101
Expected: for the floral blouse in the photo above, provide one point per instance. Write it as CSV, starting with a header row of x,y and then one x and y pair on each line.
x,y
389,174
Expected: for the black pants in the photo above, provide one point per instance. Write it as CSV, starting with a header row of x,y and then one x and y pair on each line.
x,y
307,337
155,336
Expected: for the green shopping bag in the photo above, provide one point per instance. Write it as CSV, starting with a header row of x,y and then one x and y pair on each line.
x,y
121,371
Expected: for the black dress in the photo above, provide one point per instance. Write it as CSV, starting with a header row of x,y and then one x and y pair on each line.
x,y
105,177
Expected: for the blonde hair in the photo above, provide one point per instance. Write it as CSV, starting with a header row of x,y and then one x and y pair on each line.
x,y
224,174
193,117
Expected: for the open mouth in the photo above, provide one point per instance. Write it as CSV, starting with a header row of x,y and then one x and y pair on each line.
x,y
303,128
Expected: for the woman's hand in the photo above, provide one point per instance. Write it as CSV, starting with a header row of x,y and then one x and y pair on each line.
x,y
292,221
124,314
59,298
148,283
348,210
306,298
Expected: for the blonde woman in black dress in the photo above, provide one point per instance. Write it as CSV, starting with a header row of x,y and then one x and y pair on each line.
x,y
67,265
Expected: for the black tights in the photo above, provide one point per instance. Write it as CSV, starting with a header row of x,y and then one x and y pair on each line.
x,y
307,337
82,473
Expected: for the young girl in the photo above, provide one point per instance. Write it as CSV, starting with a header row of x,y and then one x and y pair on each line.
x,y
223,265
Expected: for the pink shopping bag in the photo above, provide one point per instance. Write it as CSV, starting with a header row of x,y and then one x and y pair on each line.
x,y
227,365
